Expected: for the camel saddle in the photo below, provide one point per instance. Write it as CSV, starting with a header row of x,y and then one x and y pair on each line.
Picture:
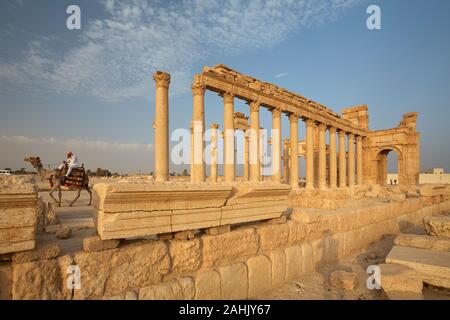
x,y
76,178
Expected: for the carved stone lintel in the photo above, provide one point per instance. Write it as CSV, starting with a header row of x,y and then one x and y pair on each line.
x,y
228,97
276,113
254,106
162,79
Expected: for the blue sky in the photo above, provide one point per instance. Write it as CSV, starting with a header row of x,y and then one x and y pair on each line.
x,y
91,90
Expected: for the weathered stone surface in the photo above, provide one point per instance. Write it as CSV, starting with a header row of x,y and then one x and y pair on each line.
x,y
131,266
45,251
234,282
207,285
38,280
95,243
64,233
423,242
272,236
294,258
50,215
396,197
298,231
278,267
186,255
318,248
433,267
307,258
6,281
169,290
214,231
229,246
259,275
399,278
437,225
429,190
184,235
188,287
131,295
344,280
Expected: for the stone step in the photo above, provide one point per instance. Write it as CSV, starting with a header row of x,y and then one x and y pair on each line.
x,y
437,225
433,267
423,242
396,279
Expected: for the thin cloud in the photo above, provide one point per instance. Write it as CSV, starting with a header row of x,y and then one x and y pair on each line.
x,y
281,75
114,57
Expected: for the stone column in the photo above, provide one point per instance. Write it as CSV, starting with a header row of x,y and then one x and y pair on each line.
x,y
276,145
359,161
254,155
351,159
309,153
214,150
286,161
228,124
246,155
293,176
162,81
198,119
322,157
342,160
333,163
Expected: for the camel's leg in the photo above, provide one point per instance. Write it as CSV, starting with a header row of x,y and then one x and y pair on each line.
x,y
53,189
59,195
90,193
76,198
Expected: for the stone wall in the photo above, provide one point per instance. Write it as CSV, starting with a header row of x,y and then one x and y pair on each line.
x,y
240,264
18,213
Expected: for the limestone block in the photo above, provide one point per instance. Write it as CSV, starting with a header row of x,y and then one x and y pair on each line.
x,y
218,230
259,275
188,287
229,246
423,242
396,197
252,211
131,266
331,249
196,218
278,267
298,231
6,281
45,251
95,243
433,267
234,282
307,258
399,278
437,225
318,247
184,235
294,261
38,280
344,280
64,233
186,255
169,290
429,190
272,236
207,285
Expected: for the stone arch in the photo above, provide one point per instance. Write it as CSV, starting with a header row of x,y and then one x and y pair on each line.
x,y
381,167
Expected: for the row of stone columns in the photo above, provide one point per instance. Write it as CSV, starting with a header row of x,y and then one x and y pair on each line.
x,y
290,150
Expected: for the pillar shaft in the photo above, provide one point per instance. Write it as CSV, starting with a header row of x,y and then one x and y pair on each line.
x,y
254,155
309,153
351,159
333,163
198,120
359,161
214,151
228,124
162,81
322,157
342,160
246,155
276,145
293,167
286,161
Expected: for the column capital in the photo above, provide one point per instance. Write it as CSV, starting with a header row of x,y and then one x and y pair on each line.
x,y
214,126
358,138
276,112
254,105
341,133
286,141
227,97
162,79
309,122
322,126
293,117
198,89
332,130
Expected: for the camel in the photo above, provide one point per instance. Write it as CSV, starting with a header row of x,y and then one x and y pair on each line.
x,y
55,179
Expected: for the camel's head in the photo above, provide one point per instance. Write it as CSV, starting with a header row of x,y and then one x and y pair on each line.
x,y
35,161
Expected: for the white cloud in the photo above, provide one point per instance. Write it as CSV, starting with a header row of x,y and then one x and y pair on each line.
x,y
281,75
115,57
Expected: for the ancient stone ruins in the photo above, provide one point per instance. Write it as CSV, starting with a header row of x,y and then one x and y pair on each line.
x,y
229,237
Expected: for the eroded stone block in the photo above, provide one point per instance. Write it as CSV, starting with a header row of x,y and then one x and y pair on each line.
x,y
234,282
294,260
259,275
207,285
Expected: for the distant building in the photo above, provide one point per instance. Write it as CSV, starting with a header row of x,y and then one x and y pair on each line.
x,y
5,172
437,175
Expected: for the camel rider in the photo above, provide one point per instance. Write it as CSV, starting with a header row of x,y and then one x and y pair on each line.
x,y
72,163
